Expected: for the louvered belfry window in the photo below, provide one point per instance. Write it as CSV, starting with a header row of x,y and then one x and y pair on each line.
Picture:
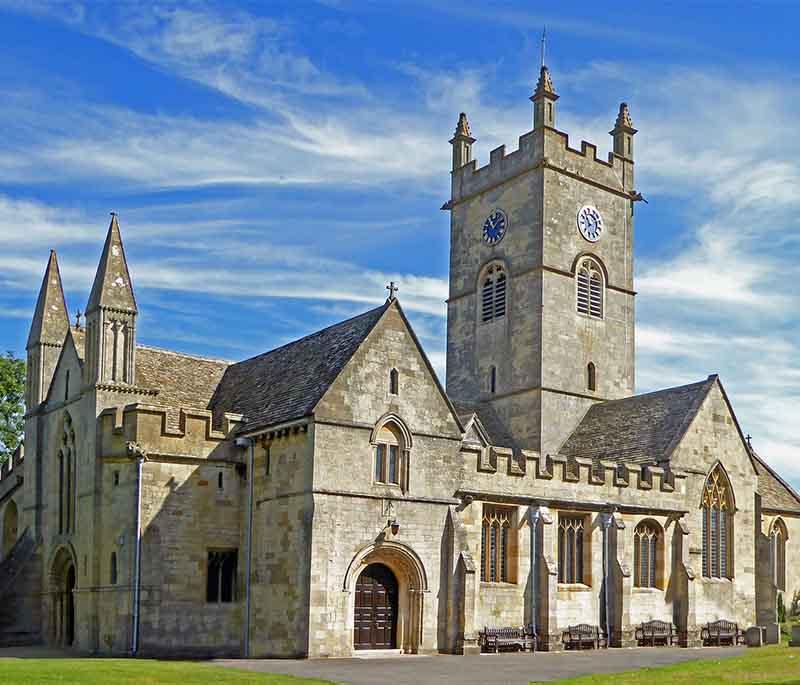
x,y
646,539
497,544
570,549
717,514
590,290
493,294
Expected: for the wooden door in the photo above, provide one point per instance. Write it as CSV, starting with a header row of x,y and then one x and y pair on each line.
x,y
376,609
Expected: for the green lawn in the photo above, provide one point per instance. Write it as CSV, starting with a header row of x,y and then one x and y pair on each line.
x,y
776,665
133,671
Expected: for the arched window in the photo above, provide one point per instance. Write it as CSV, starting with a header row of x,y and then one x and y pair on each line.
x,y
571,534
647,554
717,512
591,377
67,468
113,570
394,382
590,288
498,544
388,455
493,380
777,553
66,386
493,293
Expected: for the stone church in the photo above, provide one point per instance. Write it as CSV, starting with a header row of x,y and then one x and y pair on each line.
x,y
331,495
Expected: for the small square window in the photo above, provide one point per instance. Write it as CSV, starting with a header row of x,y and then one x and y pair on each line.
x,y
116,478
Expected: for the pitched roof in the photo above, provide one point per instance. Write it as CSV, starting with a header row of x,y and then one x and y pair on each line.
x,y
640,429
182,380
493,426
50,320
112,284
288,382
775,492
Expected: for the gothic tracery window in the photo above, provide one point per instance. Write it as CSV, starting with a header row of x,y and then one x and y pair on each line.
x,y
497,544
777,553
717,514
590,288
647,542
221,576
493,294
571,533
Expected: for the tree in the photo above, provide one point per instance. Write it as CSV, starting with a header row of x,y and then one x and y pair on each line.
x,y
12,404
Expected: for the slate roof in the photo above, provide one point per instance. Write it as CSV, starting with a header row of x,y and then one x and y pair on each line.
x,y
496,431
182,380
775,492
288,382
639,429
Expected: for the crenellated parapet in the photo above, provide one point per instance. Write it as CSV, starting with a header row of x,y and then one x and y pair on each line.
x,y
195,434
505,471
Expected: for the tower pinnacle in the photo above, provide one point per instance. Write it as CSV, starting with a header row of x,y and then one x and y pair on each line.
x,y
462,141
623,133
112,283
50,319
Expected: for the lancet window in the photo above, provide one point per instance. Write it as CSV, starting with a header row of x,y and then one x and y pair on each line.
x,y
493,293
717,514
590,289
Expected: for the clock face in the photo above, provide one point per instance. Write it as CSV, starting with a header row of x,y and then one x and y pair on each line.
x,y
590,223
495,226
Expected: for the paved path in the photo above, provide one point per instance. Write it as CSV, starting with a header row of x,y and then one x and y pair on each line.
x,y
497,669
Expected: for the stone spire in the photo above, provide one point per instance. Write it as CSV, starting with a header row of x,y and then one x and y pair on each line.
x,y
623,133
112,284
462,141
111,317
50,319
544,101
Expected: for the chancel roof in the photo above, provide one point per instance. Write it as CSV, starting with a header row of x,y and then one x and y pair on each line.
x,y
775,492
288,382
638,429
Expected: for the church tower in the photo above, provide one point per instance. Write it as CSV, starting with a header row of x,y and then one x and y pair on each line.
x,y
111,317
541,306
48,331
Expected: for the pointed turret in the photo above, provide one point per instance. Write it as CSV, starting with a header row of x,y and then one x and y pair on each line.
x,y
50,319
48,331
111,316
623,133
112,284
544,101
462,141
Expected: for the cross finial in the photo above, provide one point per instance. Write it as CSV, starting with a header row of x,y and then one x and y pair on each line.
x,y
392,288
544,42
78,316
749,439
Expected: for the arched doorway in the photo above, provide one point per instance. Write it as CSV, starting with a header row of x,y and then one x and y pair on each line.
x,y
10,528
62,613
376,609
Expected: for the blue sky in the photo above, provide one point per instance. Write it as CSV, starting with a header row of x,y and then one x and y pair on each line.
x,y
275,164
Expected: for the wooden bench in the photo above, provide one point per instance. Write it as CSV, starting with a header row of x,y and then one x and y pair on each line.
x,y
722,632
522,638
583,636
652,633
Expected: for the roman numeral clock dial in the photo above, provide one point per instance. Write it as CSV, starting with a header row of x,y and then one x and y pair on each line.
x,y
590,223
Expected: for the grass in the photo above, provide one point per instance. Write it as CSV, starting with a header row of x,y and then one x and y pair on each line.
x,y
133,671
776,665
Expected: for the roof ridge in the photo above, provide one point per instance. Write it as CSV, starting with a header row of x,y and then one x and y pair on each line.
x,y
654,392
199,357
313,334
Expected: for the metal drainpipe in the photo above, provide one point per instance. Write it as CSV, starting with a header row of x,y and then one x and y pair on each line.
x,y
251,444
534,518
137,576
606,565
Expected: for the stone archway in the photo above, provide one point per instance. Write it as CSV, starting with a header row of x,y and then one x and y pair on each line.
x,y
10,528
412,585
62,610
